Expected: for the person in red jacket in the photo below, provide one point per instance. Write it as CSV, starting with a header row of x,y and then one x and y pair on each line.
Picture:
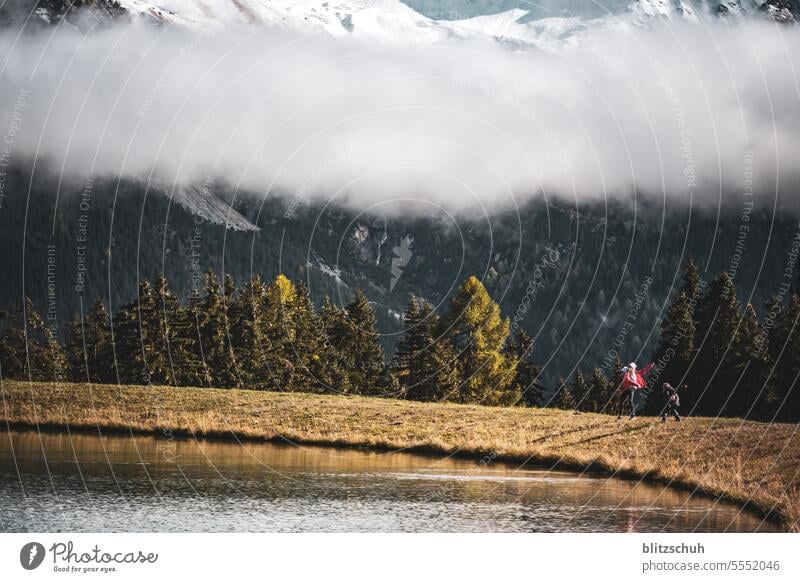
x,y
632,380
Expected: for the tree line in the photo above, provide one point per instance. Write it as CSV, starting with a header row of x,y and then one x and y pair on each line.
x,y
726,362
270,336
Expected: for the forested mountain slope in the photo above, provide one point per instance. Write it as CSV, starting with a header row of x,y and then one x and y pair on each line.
x,y
584,281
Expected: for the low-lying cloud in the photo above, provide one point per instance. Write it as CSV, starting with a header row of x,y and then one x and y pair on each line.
x,y
679,111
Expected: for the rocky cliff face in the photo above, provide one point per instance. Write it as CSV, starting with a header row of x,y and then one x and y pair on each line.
x,y
79,13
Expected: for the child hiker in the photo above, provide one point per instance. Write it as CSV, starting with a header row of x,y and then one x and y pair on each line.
x,y
672,402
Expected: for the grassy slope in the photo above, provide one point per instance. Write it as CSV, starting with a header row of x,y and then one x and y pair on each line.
x,y
743,461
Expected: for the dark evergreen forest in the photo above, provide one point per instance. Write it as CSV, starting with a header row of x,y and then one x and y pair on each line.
x,y
588,284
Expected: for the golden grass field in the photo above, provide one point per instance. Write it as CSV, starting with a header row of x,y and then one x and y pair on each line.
x,y
743,461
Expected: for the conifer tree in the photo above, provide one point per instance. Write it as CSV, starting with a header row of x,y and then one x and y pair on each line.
x,y
748,398
616,377
312,352
100,358
29,350
614,404
228,291
88,346
424,365
676,349
299,353
336,327
690,282
563,398
598,394
12,347
714,371
211,317
74,350
580,391
784,362
279,334
171,328
134,338
677,345
520,349
251,352
412,343
479,333
362,345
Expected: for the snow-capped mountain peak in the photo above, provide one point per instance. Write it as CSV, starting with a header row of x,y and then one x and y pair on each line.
x,y
420,22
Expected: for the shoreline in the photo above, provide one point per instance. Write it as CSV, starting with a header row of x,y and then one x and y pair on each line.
x,y
423,450
189,424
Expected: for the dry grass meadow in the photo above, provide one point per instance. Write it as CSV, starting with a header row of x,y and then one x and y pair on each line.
x,y
747,462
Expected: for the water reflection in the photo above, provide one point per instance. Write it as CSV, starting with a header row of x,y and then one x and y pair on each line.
x,y
57,482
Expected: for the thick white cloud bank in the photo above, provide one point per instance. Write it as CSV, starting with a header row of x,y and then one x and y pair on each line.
x,y
699,112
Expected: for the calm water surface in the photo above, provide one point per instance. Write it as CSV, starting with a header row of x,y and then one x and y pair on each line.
x,y
52,482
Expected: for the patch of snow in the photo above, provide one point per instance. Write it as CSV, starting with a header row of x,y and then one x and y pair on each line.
x,y
336,273
199,199
43,14
397,315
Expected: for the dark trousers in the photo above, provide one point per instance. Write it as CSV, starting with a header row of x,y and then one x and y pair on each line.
x,y
624,397
670,408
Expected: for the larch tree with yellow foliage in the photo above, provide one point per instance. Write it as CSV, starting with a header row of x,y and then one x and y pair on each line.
x,y
479,333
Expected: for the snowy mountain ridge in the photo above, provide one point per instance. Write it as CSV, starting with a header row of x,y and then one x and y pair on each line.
x,y
422,21
393,21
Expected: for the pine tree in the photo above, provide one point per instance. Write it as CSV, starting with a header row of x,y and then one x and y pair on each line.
x,y
520,349
598,393
12,347
30,350
211,321
134,338
424,364
784,361
676,347
563,398
88,346
251,352
362,345
312,352
100,357
714,371
172,331
412,343
580,391
617,375
747,400
74,350
690,284
479,333
228,291
616,396
337,334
